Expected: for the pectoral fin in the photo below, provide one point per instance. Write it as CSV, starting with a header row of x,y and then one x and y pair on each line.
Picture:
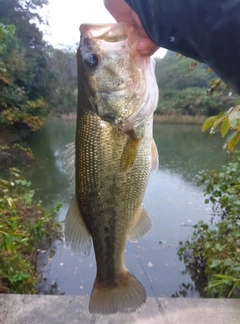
x,y
130,153
76,232
142,227
155,159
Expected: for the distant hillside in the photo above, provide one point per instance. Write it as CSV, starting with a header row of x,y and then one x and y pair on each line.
x,y
183,85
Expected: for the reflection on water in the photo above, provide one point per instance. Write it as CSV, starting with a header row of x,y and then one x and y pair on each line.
x,y
185,150
172,200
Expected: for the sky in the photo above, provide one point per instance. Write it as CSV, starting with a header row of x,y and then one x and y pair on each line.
x,y
65,17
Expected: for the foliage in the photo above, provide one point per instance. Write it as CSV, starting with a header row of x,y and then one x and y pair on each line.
x,y
19,106
27,46
5,31
214,247
25,69
175,73
184,88
25,15
223,123
63,64
23,225
190,101
12,155
34,77
27,9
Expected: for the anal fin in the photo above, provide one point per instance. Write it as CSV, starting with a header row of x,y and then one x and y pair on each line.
x,y
142,227
76,232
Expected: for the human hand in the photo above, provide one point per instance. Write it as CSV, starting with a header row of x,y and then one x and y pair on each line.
x,y
121,11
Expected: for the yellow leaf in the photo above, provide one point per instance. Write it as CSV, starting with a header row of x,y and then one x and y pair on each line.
x,y
231,145
208,123
218,121
225,126
229,138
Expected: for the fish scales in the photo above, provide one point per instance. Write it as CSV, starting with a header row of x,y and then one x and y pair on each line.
x,y
114,153
108,198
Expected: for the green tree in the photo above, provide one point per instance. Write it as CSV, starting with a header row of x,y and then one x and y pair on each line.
x,y
64,67
24,15
17,107
184,84
34,77
26,75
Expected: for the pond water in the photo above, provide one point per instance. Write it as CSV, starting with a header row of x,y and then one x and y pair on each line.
x,y
172,200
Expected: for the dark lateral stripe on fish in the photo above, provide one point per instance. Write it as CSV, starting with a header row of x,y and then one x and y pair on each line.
x,y
108,273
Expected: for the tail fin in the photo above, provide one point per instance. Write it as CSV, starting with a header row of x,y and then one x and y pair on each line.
x,y
123,297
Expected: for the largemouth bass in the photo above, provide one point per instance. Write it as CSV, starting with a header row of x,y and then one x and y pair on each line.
x,y
114,154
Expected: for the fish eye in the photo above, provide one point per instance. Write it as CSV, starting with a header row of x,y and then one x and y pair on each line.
x,y
92,60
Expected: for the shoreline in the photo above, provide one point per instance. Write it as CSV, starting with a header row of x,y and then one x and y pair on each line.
x,y
158,119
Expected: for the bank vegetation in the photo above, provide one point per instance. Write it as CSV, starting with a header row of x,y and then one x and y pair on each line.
x,y
29,88
212,253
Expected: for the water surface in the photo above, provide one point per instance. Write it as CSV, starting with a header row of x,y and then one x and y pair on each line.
x,y
172,200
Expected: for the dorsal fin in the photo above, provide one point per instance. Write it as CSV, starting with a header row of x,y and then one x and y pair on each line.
x,y
68,162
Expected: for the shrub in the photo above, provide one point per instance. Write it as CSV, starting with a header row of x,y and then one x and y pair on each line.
x,y
214,247
24,224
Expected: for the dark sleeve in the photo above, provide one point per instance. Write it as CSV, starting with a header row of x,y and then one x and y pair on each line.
x,y
205,30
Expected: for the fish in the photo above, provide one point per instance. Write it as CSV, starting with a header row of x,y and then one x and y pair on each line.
x,y
111,160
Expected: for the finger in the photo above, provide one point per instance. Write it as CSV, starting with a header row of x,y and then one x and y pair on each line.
x,y
146,47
